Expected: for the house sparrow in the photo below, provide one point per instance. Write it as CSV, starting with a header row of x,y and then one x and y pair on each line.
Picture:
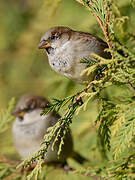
x,y
30,127
65,48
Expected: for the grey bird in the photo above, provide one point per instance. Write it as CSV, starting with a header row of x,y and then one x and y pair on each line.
x,y
66,47
30,127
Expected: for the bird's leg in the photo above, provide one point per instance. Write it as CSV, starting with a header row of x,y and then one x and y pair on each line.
x,y
66,167
28,168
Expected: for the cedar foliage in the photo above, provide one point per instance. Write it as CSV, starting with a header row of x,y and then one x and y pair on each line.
x,y
115,121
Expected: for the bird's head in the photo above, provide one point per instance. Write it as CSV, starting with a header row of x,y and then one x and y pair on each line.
x,y
29,105
54,38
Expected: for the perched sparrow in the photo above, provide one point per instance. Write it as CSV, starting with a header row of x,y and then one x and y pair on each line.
x,y
29,129
65,48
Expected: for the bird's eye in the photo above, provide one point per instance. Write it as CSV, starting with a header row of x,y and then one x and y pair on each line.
x,y
53,37
28,109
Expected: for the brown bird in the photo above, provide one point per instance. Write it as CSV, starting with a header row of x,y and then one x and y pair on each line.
x,y
66,47
30,127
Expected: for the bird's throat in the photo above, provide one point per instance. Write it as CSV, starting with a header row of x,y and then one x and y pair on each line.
x,y
49,50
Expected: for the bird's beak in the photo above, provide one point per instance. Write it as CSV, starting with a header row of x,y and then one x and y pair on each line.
x,y
18,113
44,44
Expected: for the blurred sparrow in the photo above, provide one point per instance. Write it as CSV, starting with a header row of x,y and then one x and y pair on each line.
x,y
65,48
29,129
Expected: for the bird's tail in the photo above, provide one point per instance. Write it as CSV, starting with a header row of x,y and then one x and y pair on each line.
x,y
79,158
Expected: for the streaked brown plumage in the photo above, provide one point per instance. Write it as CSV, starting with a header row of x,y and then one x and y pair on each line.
x,y
29,129
65,48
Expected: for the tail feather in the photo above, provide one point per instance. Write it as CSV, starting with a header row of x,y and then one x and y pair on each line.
x,y
79,158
